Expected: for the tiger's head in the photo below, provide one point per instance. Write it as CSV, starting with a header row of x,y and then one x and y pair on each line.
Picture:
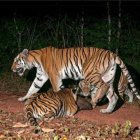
x,y
85,88
20,63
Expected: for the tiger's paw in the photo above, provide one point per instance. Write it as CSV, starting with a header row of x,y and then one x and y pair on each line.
x,y
128,102
138,96
104,111
22,99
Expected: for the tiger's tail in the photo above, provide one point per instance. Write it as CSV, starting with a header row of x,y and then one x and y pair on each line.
x,y
127,74
30,117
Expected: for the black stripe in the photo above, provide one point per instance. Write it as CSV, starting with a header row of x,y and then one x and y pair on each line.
x,y
89,74
66,73
41,50
101,56
88,64
123,68
39,79
71,73
77,51
36,52
83,53
107,55
81,61
78,68
71,64
120,62
35,59
61,86
36,86
67,57
76,63
135,92
131,82
24,61
73,69
62,57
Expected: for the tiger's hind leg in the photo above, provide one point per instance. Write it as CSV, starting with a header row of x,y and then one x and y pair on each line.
x,y
129,93
124,89
49,115
112,97
108,77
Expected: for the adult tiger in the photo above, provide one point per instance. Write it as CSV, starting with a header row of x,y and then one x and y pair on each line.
x,y
52,104
76,63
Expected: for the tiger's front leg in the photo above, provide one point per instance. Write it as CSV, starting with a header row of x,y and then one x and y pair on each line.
x,y
56,82
35,87
112,97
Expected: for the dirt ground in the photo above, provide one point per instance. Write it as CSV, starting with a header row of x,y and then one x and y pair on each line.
x,y
9,104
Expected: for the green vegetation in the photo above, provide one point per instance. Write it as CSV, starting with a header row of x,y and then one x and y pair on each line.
x,y
64,31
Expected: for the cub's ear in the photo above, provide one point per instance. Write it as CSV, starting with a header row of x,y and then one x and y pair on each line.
x,y
25,53
74,90
82,83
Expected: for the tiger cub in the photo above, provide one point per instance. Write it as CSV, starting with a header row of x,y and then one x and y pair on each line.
x,y
87,89
51,104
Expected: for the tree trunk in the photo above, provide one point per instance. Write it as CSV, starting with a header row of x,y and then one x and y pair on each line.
x,y
119,25
109,24
57,26
82,27
63,37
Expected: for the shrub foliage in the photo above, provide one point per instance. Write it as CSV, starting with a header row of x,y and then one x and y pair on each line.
x,y
64,31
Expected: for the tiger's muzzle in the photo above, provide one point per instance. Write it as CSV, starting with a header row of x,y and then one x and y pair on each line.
x,y
20,71
85,93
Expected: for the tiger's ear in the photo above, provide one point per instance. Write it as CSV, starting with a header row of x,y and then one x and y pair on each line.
x,y
25,53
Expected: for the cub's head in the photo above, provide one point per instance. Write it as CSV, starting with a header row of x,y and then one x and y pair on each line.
x,y
20,65
85,88
81,102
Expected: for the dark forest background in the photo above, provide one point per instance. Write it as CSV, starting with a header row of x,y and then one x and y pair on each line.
x,y
113,25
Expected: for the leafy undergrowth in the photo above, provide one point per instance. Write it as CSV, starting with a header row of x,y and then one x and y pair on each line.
x,y
12,82
13,126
